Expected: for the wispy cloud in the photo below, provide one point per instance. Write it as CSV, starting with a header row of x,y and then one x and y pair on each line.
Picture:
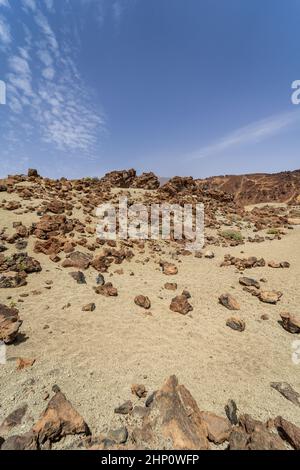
x,y
253,133
4,3
29,5
5,35
45,85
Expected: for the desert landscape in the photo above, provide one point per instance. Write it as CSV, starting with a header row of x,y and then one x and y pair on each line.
x,y
143,344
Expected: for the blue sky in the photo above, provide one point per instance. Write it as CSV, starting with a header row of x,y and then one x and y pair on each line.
x,y
189,87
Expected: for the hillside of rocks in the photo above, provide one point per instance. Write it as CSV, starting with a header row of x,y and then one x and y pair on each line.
x,y
256,188
144,343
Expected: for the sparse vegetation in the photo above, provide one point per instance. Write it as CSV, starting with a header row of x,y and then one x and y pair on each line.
x,y
273,231
232,235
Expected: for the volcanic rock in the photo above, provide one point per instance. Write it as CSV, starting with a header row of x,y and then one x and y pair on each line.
x,y
169,268
218,428
236,324
139,390
290,323
59,420
270,297
9,324
229,302
142,301
147,181
175,417
248,282
89,307
32,173
288,431
125,408
287,391
26,441
108,290
77,260
79,277
181,305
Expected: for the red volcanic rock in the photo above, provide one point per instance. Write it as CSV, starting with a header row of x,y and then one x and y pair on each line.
x,y
119,179
59,419
10,324
147,181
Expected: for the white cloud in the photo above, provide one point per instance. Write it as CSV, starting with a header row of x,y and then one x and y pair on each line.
x,y
19,65
29,5
50,5
44,82
4,3
48,73
45,28
45,57
5,36
252,133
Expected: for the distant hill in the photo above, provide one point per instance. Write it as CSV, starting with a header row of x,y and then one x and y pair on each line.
x,y
258,187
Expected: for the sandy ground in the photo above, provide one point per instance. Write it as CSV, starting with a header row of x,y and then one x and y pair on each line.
x,y
94,357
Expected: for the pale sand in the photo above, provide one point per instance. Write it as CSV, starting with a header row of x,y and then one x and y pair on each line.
x,y
95,357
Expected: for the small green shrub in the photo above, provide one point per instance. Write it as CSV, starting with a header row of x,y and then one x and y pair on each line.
x,y
232,235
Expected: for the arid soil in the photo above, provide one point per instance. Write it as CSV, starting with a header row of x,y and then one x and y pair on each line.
x,y
90,326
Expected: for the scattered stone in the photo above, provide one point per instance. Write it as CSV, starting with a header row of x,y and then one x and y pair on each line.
x,y
170,286
89,307
181,305
236,324
100,280
10,324
287,391
169,269
209,254
228,301
79,277
244,263
77,260
270,297
108,290
283,264
142,301
290,323
248,282
139,390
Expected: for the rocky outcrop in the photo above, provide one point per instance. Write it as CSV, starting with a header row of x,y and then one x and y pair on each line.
x,y
147,181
